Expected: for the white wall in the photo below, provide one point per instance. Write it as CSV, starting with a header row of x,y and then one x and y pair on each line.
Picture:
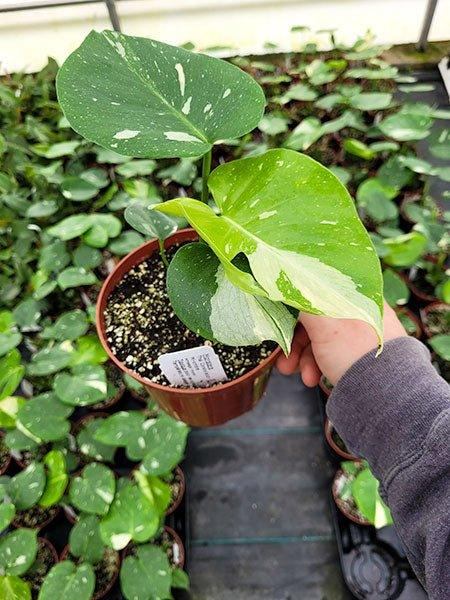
x,y
27,38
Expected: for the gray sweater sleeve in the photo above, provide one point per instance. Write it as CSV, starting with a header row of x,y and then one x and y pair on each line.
x,y
394,410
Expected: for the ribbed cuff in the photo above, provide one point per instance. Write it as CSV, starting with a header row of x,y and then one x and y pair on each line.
x,y
383,407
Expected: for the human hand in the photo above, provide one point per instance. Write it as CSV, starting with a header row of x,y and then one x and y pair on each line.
x,y
327,346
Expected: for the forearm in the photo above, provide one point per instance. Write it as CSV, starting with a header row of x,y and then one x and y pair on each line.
x,y
394,411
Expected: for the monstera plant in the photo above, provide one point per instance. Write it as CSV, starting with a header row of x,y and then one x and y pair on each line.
x,y
280,233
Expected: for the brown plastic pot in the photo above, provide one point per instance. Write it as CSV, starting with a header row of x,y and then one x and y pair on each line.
x,y
8,460
177,501
336,449
50,546
403,310
201,407
424,315
360,520
102,593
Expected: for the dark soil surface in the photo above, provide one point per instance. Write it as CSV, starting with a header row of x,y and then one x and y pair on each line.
x,y
4,455
39,569
34,516
105,571
176,488
438,321
141,325
26,457
418,280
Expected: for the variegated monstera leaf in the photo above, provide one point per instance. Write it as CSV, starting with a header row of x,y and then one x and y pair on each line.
x,y
297,226
144,98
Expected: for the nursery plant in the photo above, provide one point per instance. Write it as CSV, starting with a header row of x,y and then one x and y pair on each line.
x,y
356,492
280,232
62,205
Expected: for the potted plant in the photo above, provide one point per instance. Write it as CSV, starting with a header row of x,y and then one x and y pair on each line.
x,y
355,492
30,498
25,560
436,319
281,209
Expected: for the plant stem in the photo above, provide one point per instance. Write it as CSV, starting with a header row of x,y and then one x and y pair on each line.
x,y
162,252
206,168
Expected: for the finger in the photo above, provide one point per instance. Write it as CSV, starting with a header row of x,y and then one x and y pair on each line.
x,y
289,364
309,370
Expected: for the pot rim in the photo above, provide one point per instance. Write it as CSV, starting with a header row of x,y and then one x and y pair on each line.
x,y
173,507
329,427
342,506
108,287
50,546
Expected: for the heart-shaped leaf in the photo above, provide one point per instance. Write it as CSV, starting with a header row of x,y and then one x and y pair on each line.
x,y
87,385
88,351
147,575
50,360
67,580
154,100
11,373
218,310
142,218
89,446
85,541
57,478
163,443
93,491
396,292
404,250
322,263
441,345
75,277
155,489
131,517
68,326
26,488
45,417
121,428
18,551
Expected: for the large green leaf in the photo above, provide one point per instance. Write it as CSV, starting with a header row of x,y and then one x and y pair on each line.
x,y
87,385
18,551
217,309
298,227
93,491
27,487
146,576
131,517
66,580
85,541
45,418
368,499
144,98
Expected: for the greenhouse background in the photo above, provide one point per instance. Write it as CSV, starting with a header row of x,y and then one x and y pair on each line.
x,y
250,508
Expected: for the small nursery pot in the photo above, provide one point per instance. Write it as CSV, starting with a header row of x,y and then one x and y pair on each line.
x,y
104,592
424,312
50,546
4,467
177,501
328,427
360,520
201,407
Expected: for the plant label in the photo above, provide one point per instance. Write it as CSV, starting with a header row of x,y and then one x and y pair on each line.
x,y
192,368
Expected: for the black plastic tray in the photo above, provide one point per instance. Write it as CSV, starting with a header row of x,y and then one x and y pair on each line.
x,y
373,562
